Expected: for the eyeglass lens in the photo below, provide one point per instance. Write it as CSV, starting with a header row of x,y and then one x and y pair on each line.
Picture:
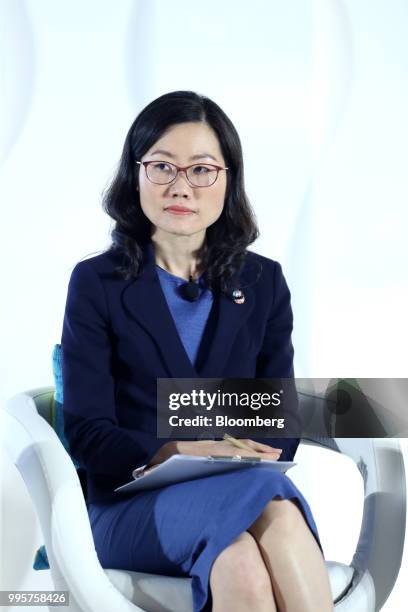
x,y
200,175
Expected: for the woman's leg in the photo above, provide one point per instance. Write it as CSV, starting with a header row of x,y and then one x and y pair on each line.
x,y
239,580
293,558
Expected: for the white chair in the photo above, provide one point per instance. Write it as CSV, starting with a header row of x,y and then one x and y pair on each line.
x,y
55,490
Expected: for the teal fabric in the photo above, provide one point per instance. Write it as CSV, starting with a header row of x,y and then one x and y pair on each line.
x,y
57,423
57,413
41,559
57,371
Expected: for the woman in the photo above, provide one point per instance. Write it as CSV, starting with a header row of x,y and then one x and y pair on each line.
x,y
159,303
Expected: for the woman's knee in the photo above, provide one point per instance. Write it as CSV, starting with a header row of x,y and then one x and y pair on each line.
x,y
282,515
240,568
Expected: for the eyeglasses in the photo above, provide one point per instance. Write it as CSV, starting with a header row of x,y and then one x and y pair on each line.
x,y
198,175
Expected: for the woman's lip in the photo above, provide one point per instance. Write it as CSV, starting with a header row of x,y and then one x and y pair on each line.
x,y
178,210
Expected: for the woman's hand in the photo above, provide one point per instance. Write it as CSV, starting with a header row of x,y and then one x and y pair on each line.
x,y
214,447
224,447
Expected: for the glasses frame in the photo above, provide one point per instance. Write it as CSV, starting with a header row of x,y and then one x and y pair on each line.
x,y
180,169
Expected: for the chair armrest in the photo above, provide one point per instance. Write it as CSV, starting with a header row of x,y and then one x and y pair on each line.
x,y
54,487
381,541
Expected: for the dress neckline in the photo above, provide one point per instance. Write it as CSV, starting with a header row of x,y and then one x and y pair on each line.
x,y
179,279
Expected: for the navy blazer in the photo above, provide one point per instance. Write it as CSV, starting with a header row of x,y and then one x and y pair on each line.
x,y
119,336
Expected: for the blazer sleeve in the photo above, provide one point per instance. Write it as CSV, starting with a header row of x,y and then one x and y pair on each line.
x,y
91,426
275,359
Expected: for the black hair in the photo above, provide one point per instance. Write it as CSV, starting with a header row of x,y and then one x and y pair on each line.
x,y
226,240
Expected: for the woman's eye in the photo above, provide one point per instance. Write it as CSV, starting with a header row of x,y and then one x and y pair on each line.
x,y
162,166
201,169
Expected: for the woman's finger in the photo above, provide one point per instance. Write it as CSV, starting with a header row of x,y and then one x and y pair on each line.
x,y
259,446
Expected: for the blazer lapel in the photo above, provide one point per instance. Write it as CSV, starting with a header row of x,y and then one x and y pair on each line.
x,y
230,318
145,301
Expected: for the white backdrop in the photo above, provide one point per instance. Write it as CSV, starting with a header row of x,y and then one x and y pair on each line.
x,y
317,90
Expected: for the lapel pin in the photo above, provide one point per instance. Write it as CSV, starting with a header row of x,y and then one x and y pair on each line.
x,y
238,296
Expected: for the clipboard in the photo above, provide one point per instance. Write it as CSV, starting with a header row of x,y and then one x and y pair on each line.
x,y
180,468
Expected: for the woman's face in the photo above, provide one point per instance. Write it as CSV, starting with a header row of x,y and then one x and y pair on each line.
x,y
184,144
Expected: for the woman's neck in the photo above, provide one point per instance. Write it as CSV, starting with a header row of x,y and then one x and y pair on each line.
x,y
178,257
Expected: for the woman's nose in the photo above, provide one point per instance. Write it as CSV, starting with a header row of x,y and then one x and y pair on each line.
x,y
180,185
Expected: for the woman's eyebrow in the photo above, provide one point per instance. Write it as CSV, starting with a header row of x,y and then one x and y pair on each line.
x,y
197,156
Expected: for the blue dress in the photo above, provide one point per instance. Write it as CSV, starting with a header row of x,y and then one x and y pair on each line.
x,y
180,529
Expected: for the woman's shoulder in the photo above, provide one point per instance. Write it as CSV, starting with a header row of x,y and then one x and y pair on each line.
x,y
258,267
252,255
102,262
